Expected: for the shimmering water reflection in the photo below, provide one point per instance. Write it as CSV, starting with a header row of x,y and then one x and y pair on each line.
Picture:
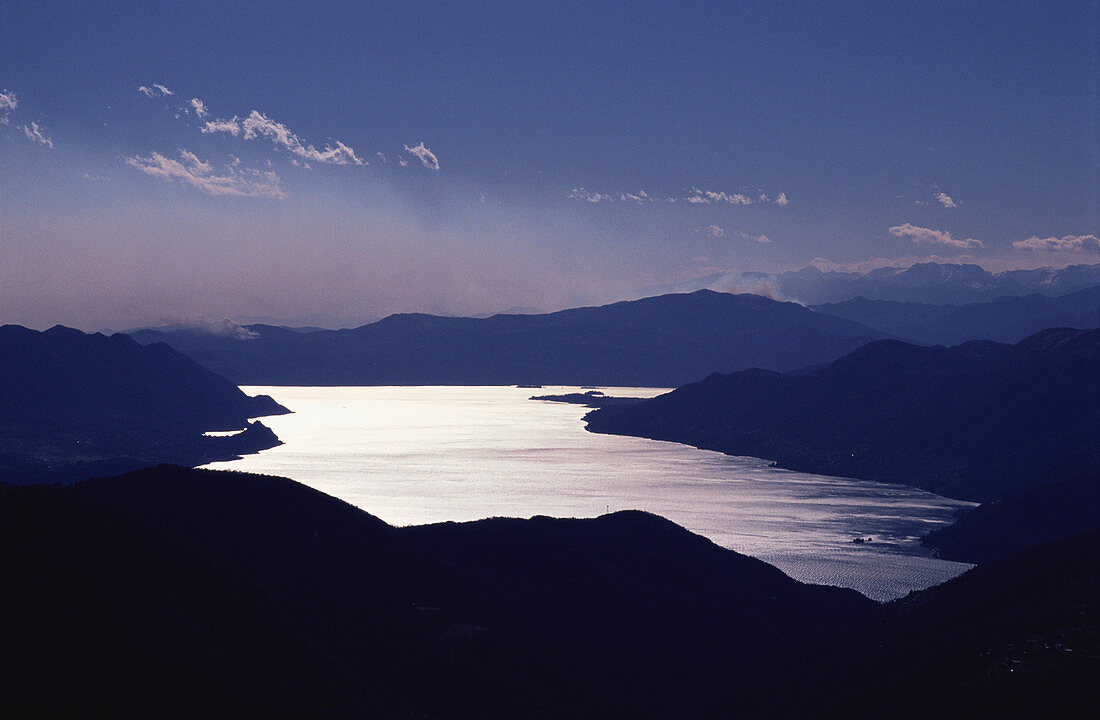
x,y
414,455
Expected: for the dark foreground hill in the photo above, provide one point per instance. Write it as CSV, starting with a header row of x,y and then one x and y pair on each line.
x,y
974,421
1018,638
73,404
172,591
659,342
184,593
1007,319
1064,502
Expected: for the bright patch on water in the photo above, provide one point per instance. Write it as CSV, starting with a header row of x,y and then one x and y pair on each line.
x,y
414,455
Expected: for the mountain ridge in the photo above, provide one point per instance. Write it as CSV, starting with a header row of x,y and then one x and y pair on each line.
x,y
659,342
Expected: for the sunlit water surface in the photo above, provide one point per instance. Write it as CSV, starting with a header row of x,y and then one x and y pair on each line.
x,y
414,455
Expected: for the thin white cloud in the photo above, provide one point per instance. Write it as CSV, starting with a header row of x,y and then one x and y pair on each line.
x,y
189,169
715,230
638,197
226,126
259,125
697,196
402,162
932,237
35,134
1066,243
427,157
157,90
579,193
944,199
95,178
8,102
199,108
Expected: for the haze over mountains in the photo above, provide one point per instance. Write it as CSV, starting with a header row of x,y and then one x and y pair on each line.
x,y
73,404
660,342
1007,319
928,282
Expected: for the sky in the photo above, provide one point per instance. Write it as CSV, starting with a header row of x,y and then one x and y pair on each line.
x,y
340,161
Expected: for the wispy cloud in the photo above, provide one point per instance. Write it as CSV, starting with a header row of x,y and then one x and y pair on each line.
x,y
189,169
259,125
427,157
579,193
95,178
233,127
719,231
700,197
155,91
8,102
35,134
638,197
932,237
199,107
944,199
694,197
1066,243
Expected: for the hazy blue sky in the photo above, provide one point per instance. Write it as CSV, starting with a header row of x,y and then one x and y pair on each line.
x,y
162,161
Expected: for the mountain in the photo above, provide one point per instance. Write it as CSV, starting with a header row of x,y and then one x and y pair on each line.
x,y
930,282
681,613
1007,319
1016,638
177,593
74,404
660,341
261,596
973,421
1064,502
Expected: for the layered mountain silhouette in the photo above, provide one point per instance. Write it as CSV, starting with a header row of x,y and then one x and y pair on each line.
x,y
929,282
659,342
1007,319
74,404
974,421
169,592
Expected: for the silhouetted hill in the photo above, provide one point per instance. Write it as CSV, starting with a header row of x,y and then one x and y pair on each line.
x,y
1007,319
182,593
73,404
974,421
681,613
167,591
1064,502
660,341
1013,639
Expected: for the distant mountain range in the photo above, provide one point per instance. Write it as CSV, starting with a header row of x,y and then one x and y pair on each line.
x,y
975,421
659,341
1007,319
169,592
73,404
931,283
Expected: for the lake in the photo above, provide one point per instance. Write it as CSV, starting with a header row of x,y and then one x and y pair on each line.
x,y
415,455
